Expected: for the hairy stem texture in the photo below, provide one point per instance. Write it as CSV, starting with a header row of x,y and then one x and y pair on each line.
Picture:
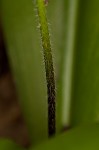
x,y
47,52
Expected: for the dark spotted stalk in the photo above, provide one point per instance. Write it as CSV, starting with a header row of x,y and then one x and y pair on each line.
x,y
47,52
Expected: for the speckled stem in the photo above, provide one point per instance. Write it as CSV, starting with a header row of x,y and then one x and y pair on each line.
x,y
47,51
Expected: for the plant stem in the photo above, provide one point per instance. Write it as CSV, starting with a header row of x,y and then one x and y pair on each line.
x,y
47,52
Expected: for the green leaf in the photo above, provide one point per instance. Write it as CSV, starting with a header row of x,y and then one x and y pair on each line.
x,y
85,96
79,138
24,51
81,64
9,145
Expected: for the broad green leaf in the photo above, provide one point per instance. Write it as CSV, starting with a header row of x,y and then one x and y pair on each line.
x,y
9,145
85,95
79,138
19,23
25,54
81,64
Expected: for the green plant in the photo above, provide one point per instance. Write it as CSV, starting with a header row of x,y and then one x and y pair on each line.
x,y
47,52
77,20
